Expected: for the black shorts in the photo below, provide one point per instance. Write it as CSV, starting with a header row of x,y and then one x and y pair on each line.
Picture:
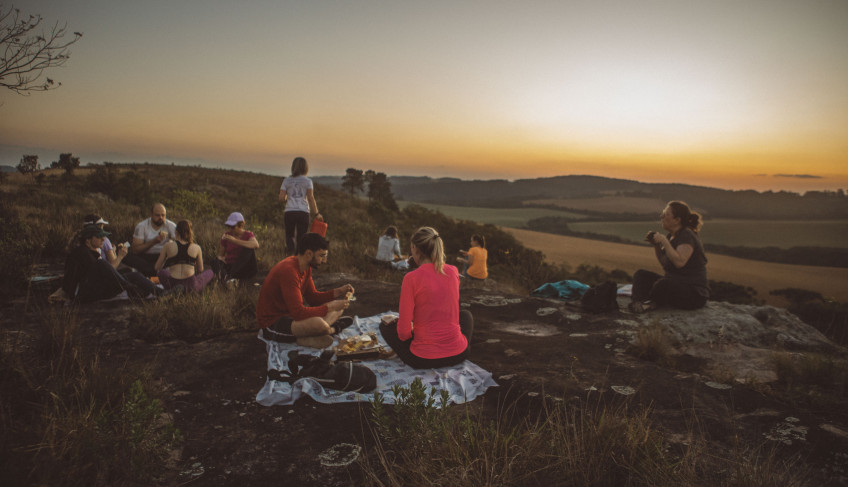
x,y
280,331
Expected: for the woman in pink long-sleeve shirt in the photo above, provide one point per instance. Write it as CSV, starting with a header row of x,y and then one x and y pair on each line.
x,y
431,331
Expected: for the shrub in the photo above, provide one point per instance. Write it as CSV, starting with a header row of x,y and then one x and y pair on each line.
x,y
192,205
829,317
732,293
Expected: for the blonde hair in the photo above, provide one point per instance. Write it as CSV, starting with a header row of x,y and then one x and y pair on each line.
x,y
429,243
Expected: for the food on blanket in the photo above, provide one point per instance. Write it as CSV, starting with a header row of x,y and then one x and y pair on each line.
x,y
359,343
389,320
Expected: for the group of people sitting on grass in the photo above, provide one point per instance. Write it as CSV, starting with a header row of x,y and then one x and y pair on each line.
x,y
431,330
97,269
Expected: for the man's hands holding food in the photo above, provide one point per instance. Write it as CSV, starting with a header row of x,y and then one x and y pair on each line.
x,y
345,293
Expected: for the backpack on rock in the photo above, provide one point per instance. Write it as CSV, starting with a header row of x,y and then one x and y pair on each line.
x,y
600,298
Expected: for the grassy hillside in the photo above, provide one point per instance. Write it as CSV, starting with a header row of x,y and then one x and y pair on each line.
x,y
46,211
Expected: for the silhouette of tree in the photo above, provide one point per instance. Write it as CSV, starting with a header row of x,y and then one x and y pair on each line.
x,y
26,53
66,162
380,189
28,164
353,181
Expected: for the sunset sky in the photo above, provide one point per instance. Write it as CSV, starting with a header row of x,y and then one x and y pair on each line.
x,y
734,94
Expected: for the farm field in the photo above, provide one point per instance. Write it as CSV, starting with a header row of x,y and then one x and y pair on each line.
x,y
762,276
606,204
504,217
743,233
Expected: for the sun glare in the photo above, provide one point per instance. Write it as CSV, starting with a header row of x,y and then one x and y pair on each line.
x,y
640,107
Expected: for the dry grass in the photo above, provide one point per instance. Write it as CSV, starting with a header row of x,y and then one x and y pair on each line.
x,y
564,445
196,316
68,419
653,343
812,379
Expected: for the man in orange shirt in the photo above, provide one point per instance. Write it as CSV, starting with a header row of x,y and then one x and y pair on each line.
x,y
290,309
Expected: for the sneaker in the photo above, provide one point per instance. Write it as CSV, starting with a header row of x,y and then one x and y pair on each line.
x,y
639,307
340,324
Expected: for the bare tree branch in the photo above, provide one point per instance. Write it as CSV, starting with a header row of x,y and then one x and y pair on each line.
x,y
26,54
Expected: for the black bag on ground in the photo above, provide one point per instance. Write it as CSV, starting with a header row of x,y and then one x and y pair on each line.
x,y
342,376
600,298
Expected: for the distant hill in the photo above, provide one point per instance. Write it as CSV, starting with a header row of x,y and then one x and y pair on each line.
x,y
713,202
8,169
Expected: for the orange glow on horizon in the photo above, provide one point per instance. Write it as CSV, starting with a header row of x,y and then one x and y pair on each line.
x,y
648,93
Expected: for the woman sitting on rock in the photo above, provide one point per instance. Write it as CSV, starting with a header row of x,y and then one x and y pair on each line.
x,y
431,331
181,262
681,255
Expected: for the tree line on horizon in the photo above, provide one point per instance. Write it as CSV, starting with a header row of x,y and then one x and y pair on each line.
x,y
712,202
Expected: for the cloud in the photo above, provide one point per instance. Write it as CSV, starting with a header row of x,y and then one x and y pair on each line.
x,y
798,176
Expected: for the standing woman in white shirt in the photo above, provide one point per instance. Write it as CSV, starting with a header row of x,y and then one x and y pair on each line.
x,y
297,192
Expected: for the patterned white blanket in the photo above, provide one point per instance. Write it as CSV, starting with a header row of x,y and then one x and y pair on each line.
x,y
463,382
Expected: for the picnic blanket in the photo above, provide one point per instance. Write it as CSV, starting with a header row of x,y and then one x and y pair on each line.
x,y
463,382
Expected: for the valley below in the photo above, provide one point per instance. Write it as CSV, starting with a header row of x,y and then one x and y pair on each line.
x,y
762,276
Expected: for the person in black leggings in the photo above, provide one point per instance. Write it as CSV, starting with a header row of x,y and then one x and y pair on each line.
x,y
681,254
297,192
89,277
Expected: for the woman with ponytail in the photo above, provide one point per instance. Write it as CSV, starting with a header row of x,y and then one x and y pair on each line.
x,y
681,255
431,331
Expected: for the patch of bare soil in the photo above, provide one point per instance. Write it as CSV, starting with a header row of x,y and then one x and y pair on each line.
x,y
536,349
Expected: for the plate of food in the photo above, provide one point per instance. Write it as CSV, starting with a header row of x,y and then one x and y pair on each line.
x,y
360,347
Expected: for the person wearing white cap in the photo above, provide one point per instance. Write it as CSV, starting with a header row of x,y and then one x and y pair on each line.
x,y
237,252
113,254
